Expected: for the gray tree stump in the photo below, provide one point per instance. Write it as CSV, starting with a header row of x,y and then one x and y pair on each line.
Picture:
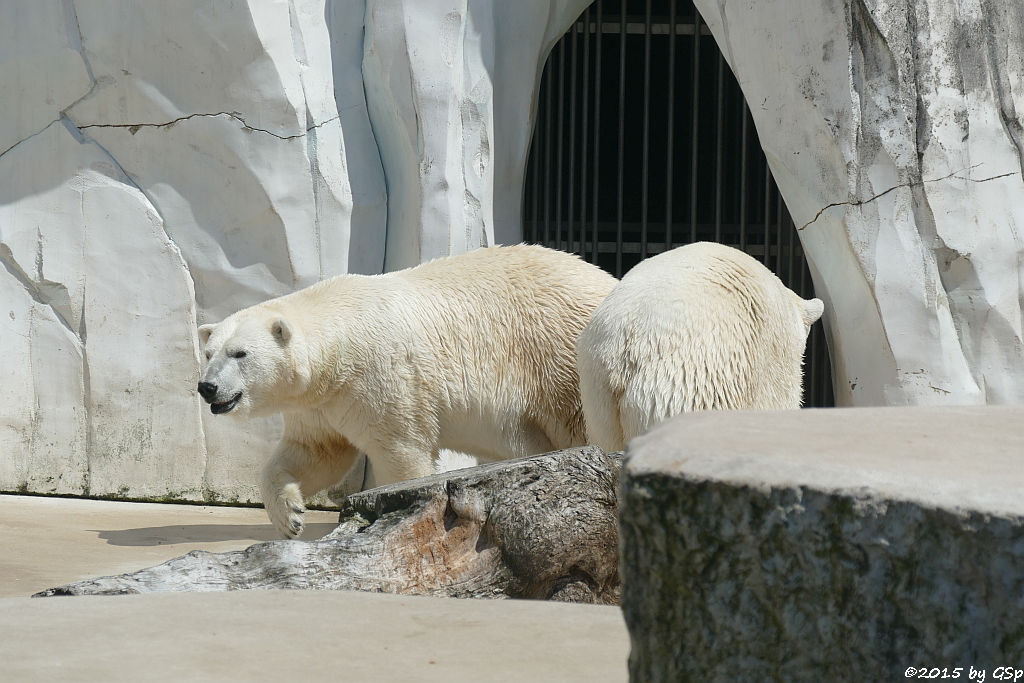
x,y
542,527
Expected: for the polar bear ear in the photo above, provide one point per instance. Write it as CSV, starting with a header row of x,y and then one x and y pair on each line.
x,y
204,333
281,330
813,308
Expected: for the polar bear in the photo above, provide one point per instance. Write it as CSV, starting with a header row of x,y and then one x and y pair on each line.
x,y
700,327
473,353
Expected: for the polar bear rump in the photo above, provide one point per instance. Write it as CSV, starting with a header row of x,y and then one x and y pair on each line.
x,y
700,327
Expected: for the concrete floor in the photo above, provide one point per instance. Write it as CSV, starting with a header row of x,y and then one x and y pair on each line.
x,y
52,541
258,635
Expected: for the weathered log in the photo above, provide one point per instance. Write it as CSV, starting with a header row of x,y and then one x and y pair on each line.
x,y
541,527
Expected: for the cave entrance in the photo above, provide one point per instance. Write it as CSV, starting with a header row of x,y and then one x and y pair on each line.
x,y
643,142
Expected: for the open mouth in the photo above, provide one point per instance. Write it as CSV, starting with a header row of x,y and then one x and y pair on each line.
x,y
226,406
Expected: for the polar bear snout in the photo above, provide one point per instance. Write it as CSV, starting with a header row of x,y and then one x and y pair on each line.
x,y
208,391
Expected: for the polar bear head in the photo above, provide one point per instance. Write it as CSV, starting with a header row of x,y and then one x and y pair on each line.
x,y
254,364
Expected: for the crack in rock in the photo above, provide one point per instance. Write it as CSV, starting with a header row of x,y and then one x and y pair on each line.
x,y
28,137
35,289
919,183
134,127
61,116
72,10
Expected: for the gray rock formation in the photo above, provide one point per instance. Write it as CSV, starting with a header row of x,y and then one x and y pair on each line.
x,y
824,545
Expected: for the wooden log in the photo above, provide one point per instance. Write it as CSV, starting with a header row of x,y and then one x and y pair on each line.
x,y
542,527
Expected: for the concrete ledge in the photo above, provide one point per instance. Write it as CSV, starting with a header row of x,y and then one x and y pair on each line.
x,y
308,636
258,635
825,545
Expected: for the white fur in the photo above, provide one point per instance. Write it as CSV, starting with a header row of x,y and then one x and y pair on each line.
x,y
448,461
473,353
700,327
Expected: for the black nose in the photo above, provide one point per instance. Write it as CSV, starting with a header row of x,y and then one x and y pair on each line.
x,y
207,390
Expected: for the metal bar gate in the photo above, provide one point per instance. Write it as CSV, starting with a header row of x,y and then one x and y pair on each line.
x,y
643,142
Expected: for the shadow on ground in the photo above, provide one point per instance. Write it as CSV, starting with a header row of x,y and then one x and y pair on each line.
x,y
203,533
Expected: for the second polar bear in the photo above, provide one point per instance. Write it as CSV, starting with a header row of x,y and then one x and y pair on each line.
x,y
700,327
473,353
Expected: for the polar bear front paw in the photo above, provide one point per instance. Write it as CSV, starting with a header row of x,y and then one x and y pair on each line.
x,y
286,510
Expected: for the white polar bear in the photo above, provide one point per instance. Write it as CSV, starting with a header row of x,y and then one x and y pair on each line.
x,y
472,353
700,327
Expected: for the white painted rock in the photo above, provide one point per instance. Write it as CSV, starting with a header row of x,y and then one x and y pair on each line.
x,y
92,403
166,164
194,159
451,90
895,131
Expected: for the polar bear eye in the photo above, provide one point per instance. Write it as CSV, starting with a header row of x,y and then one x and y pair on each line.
x,y
238,354
208,355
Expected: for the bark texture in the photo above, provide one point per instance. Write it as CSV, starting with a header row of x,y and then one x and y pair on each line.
x,y
542,527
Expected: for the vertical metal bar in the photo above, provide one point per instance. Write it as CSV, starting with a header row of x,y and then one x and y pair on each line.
x,y
780,240
719,114
583,135
548,76
670,142
814,398
821,376
778,231
767,214
526,203
561,143
809,359
827,394
535,173
694,130
803,282
826,397
597,123
645,144
622,133
791,255
570,215
744,134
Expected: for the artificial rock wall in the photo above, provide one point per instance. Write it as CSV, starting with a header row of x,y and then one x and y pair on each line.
x,y
895,130
165,164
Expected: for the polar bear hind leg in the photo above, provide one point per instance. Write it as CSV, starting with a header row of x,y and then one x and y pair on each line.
x,y
600,405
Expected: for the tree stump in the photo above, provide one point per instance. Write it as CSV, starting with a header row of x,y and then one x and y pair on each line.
x,y
542,527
